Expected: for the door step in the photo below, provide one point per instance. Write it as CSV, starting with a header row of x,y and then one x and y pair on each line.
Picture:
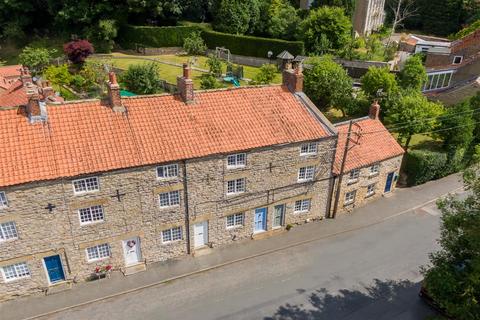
x,y
134,269
202,251
58,287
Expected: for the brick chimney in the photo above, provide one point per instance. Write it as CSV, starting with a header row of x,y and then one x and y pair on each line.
x,y
293,79
374,112
34,109
114,93
25,76
185,85
47,90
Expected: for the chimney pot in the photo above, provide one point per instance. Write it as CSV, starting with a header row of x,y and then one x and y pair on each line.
x,y
25,76
186,71
374,112
112,77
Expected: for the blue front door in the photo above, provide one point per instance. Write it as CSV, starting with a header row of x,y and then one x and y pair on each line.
x,y
388,185
54,268
260,219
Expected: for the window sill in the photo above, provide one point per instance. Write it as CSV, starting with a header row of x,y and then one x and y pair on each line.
x,y
231,195
97,260
235,227
304,180
169,207
85,224
308,154
346,204
236,167
16,279
301,212
165,243
352,181
167,178
8,240
83,193
369,195
372,175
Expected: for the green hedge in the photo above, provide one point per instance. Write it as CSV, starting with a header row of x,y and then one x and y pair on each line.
x,y
156,37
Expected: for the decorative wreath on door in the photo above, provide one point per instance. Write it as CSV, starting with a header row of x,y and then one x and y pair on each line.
x,y
131,243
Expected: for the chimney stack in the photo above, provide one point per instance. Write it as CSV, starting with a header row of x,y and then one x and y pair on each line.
x,y
114,93
25,76
374,112
34,109
293,79
185,85
47,90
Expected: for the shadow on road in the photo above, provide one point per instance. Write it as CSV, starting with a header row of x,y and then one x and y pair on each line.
x,y
382,300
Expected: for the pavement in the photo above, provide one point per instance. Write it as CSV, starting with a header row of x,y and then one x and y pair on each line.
x,y
362,265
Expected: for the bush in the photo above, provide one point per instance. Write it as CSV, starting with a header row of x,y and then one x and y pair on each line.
x,y
36,59
78,51
103,34
58,75
142,78
266,74
208,81
194,44
154,36
214,65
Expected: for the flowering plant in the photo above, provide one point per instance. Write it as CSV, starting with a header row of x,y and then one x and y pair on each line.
x,y
103,269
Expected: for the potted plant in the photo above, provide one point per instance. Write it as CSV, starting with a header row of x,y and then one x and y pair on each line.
x,y
103,271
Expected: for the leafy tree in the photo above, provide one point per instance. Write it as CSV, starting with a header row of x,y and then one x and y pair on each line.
x,y
348,5
283,20
411,114
452,279
78,51
194,44
208,81
103,34
441,17
266,74
328,84
413,74
95,73
214,65
458,126
329,21
373,45
237,16
58,75
377,79
475,106
142,78
36,59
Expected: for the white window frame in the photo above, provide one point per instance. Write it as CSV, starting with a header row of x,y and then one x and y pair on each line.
x,y
87,188
237,160
301,206
353,176
455,57
3,200
372,191
8,231
239,186
99,249
173,199
93,215
374,169
306,173
310,148
238,220
350,197
433,80
169,171
16,269
178,232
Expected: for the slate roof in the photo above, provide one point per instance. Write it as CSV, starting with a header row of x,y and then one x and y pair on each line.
x,y
285,55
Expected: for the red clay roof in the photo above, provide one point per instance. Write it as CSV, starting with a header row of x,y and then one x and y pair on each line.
x,y
10,71
370,143
15,96
88,137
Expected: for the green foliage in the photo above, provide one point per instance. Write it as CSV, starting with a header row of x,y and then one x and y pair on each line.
x,y
377,79
348,5
424,165
413,75
458,125
103,34
475,106
36,59
214,65
266,74
283,20
59,75
329,21
95,75
154,36
328,84
194,44
452,279
236,16
467,30
374,46
78,82
142,78
208,81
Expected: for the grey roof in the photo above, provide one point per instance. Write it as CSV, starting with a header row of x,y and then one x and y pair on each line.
x,y
300,58
285,55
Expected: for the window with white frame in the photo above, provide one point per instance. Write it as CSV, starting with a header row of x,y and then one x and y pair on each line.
x,y
15,271
8,231
236,186
374,169
438,80
308,148
350,197
173,234
169,199
235,220
353,176
302,205
91,214
167,171
237,160
457,59
306,173
86,185
371,190
3,200
98,252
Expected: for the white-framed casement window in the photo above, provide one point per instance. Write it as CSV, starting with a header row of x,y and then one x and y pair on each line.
x,y
15,271
235,220
98,252
306,173
86,185
173,234
8,231
457,59
370,190
91,214
374,169
308,149
167,171
350,197
3,200
438,80
302,206
238,160
353,176
236,186
169,199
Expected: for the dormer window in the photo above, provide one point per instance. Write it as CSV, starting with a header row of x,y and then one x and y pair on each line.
x,y
308,149
457,59
167,171
236,160
86,185
3,200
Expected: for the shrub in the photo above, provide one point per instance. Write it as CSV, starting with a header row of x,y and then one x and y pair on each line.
x,y
78,51
208,81
214,65
154,36
266,74
194,44
424,165
58,75
142,78
103,34
36,59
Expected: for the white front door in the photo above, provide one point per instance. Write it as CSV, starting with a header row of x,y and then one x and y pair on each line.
x,y
200,231
131,251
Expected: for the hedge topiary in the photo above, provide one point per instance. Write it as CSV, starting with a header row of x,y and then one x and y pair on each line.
x,y
424,165
156,37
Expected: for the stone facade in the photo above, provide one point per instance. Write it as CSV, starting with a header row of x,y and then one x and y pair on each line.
x,y
368,16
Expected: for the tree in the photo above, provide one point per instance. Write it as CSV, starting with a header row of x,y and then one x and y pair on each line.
x,y
283,20
453,277
95,73
475,106
208,81
142,78
401,10
266,74
214,65
374,45
194,44
237,16
77,51
103,34
58,75
457,127
329,21
36,59
413,74
348,5
412,114
328,84
379,82
441,17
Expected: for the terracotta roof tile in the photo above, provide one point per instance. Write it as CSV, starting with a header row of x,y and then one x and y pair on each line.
x,y
372,143
10,71
88,137
16,95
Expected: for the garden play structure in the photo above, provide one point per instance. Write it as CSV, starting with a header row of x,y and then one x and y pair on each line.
x,y
234,73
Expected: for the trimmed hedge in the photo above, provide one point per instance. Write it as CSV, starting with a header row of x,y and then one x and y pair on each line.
x,y
155,37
